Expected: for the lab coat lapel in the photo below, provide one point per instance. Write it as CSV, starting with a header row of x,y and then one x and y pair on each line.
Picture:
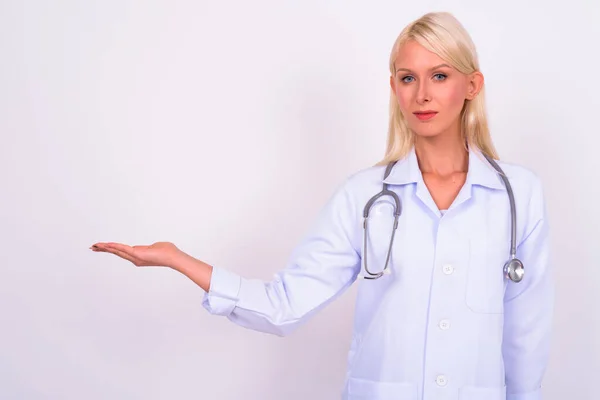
x,y
407,171
480,173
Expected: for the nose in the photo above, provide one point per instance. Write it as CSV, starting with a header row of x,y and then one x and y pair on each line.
x,y
423,93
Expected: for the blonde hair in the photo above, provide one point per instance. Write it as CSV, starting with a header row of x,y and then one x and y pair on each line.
x,y
442,34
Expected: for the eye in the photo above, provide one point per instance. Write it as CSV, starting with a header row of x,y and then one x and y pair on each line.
x,y
405,79
439,77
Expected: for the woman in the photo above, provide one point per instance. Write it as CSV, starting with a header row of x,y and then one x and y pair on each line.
x,y
443,321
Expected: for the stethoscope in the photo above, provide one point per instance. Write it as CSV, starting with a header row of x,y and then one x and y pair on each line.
x,y
513,268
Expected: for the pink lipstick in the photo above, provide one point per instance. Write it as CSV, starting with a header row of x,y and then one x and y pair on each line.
x,y
425,115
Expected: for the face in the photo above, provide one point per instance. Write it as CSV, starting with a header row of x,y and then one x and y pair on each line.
x,y
431,93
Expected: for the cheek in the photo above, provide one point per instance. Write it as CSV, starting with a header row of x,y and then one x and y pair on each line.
x,y
453,98
405,99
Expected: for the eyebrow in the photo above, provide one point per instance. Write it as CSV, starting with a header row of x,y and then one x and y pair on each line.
x,y
431,69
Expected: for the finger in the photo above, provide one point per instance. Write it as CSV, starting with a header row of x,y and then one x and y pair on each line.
x,y
98,246
124,256
123,248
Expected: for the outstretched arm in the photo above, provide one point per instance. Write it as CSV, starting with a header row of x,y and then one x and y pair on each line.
x,y
321,267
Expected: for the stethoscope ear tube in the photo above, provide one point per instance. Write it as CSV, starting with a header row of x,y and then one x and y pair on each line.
x,y
513,269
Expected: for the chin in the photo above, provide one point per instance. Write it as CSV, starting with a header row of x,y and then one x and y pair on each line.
x,y
429,130
426,133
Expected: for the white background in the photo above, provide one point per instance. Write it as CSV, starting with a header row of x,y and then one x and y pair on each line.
x,y
224,127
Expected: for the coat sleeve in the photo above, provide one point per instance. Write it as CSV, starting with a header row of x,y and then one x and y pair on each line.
x,y
321,267
529,307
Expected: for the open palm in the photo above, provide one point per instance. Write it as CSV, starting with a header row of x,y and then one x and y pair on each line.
x,y
157,254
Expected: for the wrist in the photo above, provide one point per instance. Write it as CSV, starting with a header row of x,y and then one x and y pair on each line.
x,y
178,260
198,271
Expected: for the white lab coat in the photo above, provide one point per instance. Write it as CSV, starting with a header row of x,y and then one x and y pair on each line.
x,y
445,324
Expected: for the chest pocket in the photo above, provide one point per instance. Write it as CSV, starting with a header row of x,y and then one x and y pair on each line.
x,y
485,276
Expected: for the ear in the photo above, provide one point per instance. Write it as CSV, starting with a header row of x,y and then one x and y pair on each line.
x,y
392,83
475,83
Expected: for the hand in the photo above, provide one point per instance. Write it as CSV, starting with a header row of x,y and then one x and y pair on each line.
x,y
157,254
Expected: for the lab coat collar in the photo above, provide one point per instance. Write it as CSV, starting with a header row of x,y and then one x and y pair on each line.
x,y
405,171
480,172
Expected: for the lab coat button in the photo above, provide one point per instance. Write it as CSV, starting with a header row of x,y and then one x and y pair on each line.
x,y
444,324
441,380
448,269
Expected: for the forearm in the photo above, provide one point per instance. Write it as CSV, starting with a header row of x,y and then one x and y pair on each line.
x,y
198,271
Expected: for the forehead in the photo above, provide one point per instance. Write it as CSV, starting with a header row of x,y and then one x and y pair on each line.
x,y
413,56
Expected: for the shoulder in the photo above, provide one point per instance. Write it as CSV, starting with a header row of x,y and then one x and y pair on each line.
x,y
519,173
357,187
365,180
367,175
528,189
523,178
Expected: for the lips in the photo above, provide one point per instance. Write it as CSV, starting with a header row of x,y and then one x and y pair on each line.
x,y
425,115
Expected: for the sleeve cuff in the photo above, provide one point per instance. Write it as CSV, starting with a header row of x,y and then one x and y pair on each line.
x,y
222,296
533,395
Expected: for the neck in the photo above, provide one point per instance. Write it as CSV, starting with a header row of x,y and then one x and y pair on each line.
x,y
442,155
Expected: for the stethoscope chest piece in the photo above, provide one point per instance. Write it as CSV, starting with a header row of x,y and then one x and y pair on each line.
x,y
514,270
